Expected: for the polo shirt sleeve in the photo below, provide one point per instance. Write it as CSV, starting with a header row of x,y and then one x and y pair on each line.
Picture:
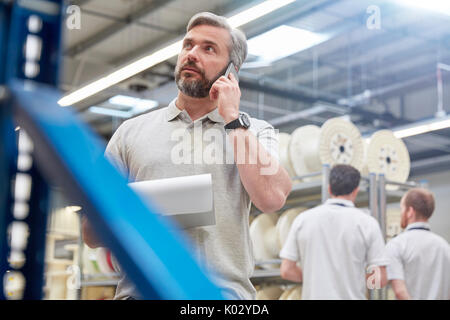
x,y
395,268
116,153
376,253
291,250
267,136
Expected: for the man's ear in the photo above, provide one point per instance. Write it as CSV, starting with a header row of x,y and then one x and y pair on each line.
x,y
355,192
329,190
411,213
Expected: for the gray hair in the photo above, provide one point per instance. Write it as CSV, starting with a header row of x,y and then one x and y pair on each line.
x,y
238,49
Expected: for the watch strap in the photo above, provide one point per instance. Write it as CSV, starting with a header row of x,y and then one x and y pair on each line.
x,y
236,123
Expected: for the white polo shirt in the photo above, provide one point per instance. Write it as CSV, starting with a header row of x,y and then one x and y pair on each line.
x,y
335,243
422,259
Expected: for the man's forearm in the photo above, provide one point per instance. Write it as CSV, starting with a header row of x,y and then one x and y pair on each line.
x,y
290,271
266,181
400,290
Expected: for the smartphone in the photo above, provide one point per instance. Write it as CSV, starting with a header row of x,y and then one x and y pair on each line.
x,y
231,68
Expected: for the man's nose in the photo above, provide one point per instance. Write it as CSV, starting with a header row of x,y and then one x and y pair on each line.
x,y
193,54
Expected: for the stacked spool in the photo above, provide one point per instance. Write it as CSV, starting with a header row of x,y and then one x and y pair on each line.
x,y
309,147
283,151
14,285
393,223
268,232
292,293
388,155
338,141
269,292
277,292
303,150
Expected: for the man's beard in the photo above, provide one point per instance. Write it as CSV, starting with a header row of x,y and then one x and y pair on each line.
x,y
195,88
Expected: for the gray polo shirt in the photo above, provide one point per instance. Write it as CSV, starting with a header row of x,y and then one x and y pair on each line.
x,y
166,143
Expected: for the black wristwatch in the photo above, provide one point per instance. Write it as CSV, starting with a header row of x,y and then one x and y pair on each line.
x,y
241,122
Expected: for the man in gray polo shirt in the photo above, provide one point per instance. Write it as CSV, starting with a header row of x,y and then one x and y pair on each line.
x,y
202,131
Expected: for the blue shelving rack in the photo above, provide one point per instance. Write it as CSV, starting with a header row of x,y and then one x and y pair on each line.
x,y
152,251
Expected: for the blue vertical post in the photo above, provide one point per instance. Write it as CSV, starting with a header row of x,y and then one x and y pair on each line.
x,y
7,172
7,147
30,38
149,247
33,269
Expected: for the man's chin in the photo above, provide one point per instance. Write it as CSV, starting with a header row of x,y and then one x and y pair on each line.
x,y
194,93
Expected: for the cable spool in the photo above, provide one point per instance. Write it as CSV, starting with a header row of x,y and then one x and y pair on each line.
x,y
341,143
286,293
292,293
393,222
338,141
14,285
295,294
264,238
269,293
283,152
284,224
303,150
388,155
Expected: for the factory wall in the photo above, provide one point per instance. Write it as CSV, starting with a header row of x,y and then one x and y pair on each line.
x,y
439,184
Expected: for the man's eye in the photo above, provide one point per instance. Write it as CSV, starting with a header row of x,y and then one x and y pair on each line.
x,y
187,45
209,49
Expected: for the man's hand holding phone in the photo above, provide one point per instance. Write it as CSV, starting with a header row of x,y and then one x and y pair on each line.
x,y
227,94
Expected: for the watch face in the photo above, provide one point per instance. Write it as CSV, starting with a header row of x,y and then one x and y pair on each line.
x,y
245,121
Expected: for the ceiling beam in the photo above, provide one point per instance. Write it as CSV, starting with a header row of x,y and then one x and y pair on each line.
x,y
115,27
430,164
163,40
78,2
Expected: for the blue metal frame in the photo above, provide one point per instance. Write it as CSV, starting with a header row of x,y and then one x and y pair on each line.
x,y
151,249
8,151
52,21
8,155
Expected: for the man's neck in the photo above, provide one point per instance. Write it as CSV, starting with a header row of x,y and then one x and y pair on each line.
x,y
349,198
417,220
195,107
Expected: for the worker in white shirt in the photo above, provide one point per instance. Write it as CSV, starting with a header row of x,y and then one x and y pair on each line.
x,y
419,266
331,248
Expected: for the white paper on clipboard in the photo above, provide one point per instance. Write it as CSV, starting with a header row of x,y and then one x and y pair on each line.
x,y
189,199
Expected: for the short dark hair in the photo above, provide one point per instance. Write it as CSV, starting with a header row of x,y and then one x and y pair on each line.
x,y
344,179
421,200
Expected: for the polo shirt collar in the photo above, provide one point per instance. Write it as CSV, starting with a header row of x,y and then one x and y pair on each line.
x,y
214,116
418,225
344,202
173,112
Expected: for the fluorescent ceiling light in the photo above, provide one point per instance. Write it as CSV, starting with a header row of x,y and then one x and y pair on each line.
x,y
256,12
136,104
73,208
283,41
440,6
121,74
423,127
163,54
110,112
133,106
